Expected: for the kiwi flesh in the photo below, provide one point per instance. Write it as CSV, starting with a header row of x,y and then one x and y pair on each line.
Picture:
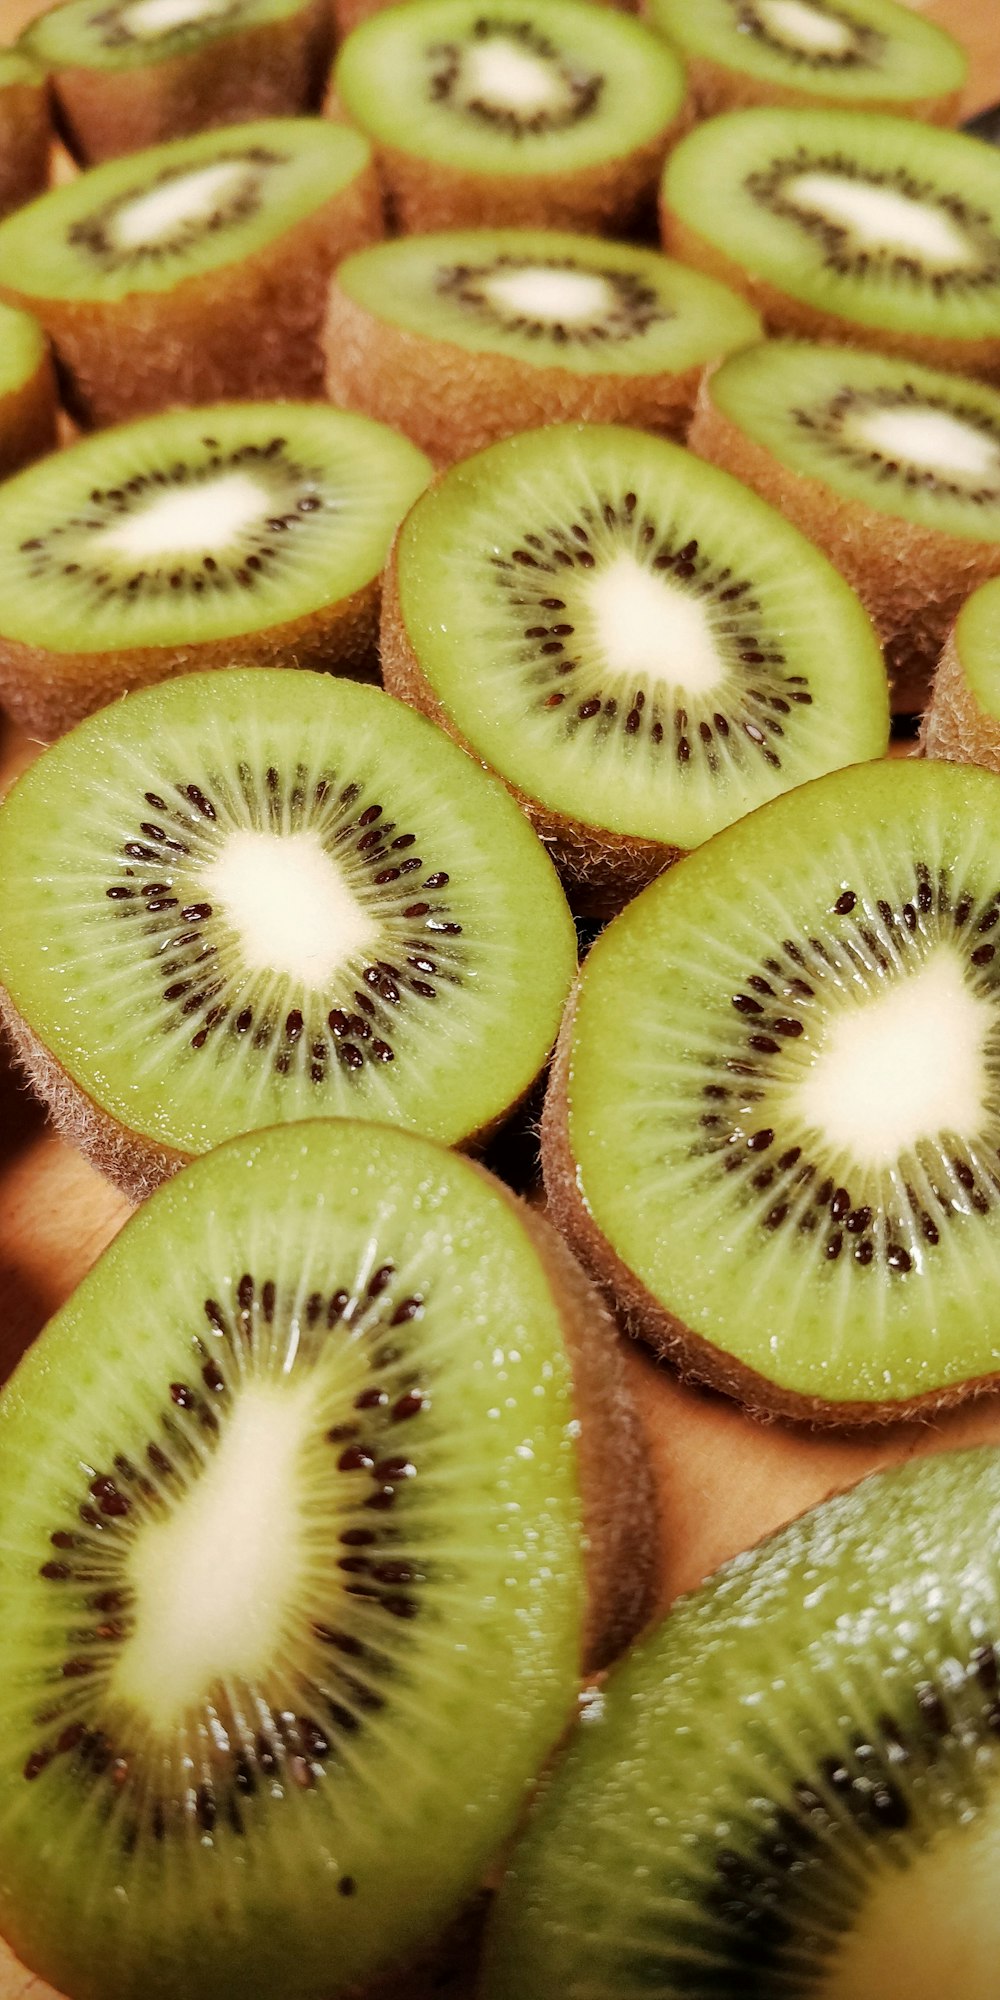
x,y
27,391
182,541
867,55
131,73
244,898
295,1596
639,646
505,117
892,469
962,723
793,1786
461,338
25,130
772,1124
847,225
194,272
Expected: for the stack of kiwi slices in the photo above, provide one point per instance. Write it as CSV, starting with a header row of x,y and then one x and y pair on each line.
x,y
893,469
129,73
25,129
847,225
962,722
254,532
295,1495
194,271
559,113
463,337
640,647
27,391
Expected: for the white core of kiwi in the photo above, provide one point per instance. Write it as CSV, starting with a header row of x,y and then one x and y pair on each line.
x,y
905,1065
566,298
148,19
643,626
929,440
200,517
154,217
286,899
882,218
499,72
803,27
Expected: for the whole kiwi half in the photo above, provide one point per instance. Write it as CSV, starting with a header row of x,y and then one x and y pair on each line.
x,y
962,722
295,1495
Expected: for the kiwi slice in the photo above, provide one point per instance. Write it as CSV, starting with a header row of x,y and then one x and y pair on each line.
x,y
255,530
870,55
508,115
130,73
27,391
248,897
774,1118
25,129
295,1494
849,225
639,646
962,722
461,338
893,469
197,271
793,1786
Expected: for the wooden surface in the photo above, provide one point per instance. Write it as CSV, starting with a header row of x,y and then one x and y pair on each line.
x,y
724,1481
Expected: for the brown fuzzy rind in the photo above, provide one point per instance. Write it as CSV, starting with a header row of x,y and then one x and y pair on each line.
x,y
911,580
25,143
28,416
956,728
716,88
250,330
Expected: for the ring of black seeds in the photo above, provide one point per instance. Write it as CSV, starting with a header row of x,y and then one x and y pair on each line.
x,y
116,33
447,69
827,422
841,254
864,51
635,307
95,232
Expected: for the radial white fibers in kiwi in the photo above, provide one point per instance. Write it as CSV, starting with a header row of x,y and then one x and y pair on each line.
x,y
294,1497
639,645
242,898
962,722
774,1119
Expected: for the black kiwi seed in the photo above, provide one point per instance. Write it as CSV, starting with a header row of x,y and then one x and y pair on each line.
x,y
579,91
95,233
632,308
842,254
863,49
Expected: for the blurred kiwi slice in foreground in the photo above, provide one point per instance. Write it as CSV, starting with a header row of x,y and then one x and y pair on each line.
x,y
641,647
248,897
25,129
295,1494
962,722
847,225
793,1787
258,531
773,1122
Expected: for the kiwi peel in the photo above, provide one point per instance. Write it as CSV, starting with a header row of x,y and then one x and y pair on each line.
x,y
25,129
27,391
962,723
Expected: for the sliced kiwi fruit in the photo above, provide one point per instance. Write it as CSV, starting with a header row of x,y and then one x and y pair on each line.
x,y
252,531
847,225
25,129
507,115
893,469
639,646
793,1786
962,722
774,1118
296,1491
27,391
463,337
196,271
131,73
868,55
242,898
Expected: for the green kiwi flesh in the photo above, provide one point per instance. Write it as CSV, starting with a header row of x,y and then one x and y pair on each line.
x,y
793,1786
292,1571
243,898
774,1118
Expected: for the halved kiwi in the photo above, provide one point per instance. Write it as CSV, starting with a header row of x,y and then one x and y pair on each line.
x,y
253,531
869,55
639,646
847,225
243,898
463,337
793,1787
197,271
27,391
893,469
295,1496
962,722
130,73
773,1123
25,129
511,116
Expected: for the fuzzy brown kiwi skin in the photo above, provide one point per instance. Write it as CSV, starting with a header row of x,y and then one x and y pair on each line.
x,y
25,143
272,70
28,422
911,580
716,88
956,728
601,870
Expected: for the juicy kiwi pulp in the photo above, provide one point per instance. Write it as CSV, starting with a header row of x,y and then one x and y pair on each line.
x,y
126,34
855,50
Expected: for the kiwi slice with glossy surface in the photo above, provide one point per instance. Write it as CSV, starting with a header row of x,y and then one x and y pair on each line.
x,y
295,1492
893,469
639,646
773,1122
27,391
847,225
962,722
25,129
793,1786
869,55
197,271
558,115
463,337
250,530
130,73
248,897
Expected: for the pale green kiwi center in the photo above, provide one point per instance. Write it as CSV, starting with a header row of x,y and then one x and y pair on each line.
x,y
644,627
149,18
155,217
501,73
931,440
566,298
289,904
880,218
200,517
803,27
